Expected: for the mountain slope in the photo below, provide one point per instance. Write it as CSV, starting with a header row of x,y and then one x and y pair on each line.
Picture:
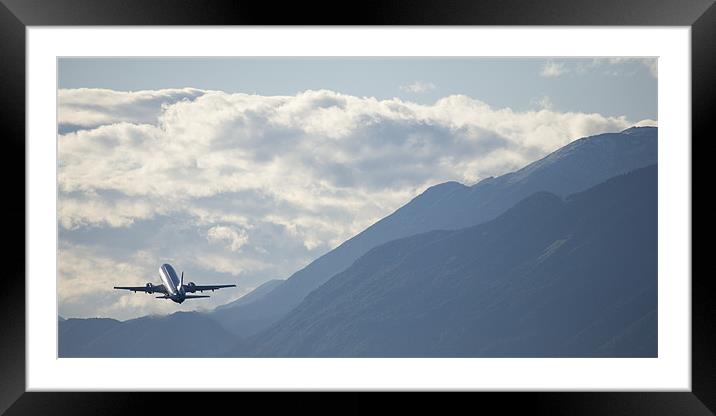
x,y
182,334
549,277
252,296
225,314
575,167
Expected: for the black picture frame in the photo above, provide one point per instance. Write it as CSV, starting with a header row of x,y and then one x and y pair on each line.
x,y
15,15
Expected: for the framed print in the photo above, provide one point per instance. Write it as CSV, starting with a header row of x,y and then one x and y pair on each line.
x,y
457,200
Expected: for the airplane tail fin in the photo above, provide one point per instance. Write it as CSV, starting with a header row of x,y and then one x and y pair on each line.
x,y
181,284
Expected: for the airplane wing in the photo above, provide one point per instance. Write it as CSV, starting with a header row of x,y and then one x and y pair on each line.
x,y
197,288
153,289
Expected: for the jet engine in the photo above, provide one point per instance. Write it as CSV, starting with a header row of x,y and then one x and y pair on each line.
x,y
149,288
191,287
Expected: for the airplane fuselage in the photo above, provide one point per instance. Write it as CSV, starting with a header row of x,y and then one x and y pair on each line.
x,y
171,281
173,286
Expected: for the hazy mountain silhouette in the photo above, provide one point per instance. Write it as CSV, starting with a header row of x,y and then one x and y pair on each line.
x,y
252,296
182,334
546,278
225,314
549,277
575,167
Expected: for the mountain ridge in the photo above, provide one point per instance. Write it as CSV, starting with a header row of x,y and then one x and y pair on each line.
x,y
452,205
577,282
181,334
440,210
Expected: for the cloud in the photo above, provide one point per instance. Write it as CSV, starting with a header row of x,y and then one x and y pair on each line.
x,y
314,160
94,210
418,87
245,188
92,107
647,122
235,239
553,69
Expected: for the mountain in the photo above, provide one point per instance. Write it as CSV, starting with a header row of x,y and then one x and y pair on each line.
x,y
225,314
252,296
575,167
75,335
182,334
550,277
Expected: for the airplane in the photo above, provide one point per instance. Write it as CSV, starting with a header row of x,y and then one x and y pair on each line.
x,y
173,287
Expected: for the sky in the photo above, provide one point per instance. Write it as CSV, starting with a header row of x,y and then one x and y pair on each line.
x,y
243,170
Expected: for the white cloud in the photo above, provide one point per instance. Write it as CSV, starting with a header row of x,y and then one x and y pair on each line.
x,y
92,210
255,187
231,265
553,69
647,122
418,87
233,238
328,161
92,107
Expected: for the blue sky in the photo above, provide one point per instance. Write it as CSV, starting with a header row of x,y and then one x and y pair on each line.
x,y
245,170
611,87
